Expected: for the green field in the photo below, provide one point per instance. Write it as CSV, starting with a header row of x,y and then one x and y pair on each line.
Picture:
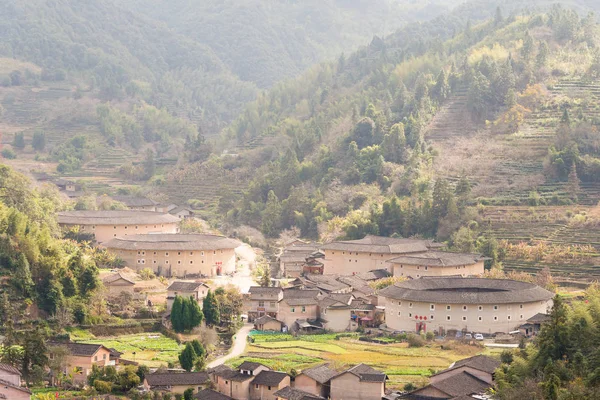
x,y
401,363
152,349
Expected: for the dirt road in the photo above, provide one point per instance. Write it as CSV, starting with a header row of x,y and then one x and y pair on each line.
x,y
238,348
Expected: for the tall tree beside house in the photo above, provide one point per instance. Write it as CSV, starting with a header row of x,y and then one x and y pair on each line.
x,y
185,314
263,274
177,314
187,357
210,309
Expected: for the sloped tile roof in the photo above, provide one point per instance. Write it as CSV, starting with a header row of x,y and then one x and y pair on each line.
x,y
209,394
461,384
466,291
379,244
320,373
10,369
250,366
177,378
435,258
479,362
115,217
269,378
172,242
115,277
183,286
289,393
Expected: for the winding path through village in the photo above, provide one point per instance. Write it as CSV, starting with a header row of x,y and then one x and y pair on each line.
x,y
238,348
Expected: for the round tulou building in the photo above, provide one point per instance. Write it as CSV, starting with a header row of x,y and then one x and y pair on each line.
x,y
462,304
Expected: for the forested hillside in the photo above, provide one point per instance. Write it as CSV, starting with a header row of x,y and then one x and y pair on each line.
x,y
430,132
267,41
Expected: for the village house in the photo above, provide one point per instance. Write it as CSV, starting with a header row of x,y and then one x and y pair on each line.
x,y
266,383
209,394
468,378
462,304
360,382
181,212
178,255
81,357
351,257
106,225
294,257
263,301
10,384
298,304
176,382
480,366
267,323
534,324
437,263
453,387
236,383
196,290
315,380
345,313
290,393
117,283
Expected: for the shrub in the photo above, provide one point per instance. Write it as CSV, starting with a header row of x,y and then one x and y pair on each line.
x,y
9,154
429,336
415,341
409,387
506,357
102,386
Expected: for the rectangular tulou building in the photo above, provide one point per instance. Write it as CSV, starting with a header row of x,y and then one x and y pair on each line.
x,y
177,255
106,225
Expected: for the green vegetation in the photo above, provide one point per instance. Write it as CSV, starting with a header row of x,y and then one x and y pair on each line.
x,y
193,356
151,349
562,362
186,314
401,363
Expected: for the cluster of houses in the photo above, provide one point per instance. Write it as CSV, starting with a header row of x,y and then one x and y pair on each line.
x,y
255,381
471,378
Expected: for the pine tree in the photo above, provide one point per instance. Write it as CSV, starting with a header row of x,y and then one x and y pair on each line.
x,y
394,144
19,140
441,90
271,217
177,314
210,309
187,357
38,141
498,18
22,276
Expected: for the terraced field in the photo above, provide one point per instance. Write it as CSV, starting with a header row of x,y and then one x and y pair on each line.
x,y
401,363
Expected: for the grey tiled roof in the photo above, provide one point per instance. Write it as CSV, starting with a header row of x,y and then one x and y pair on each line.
x,y
173,242
208,394
269,378
81,349
115,277
479,362
177,378
185,286
539,318
379,244
250,365
367,374
461,384
320,373
438,259
9,368
466,291
129,217
132,201
289,393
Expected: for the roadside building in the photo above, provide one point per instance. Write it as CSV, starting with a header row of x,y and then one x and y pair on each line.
x,y
176,382
298,304
196,290
10,384
266,383
315,380
181,212
82,357
263,301
534,324
236,383
360,382
106,225
462,304
117,283
266,323
350,257
437,263
178,255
